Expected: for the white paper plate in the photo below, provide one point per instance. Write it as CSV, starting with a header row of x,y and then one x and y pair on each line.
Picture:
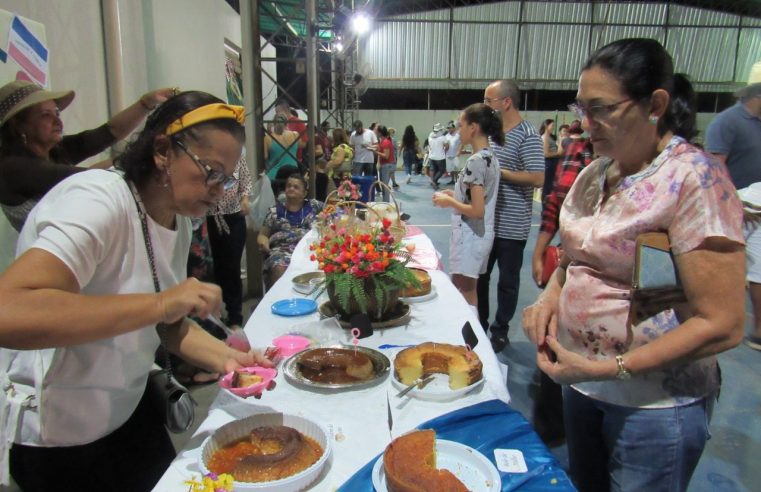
x,y
470,466
438,389
423,298
238,429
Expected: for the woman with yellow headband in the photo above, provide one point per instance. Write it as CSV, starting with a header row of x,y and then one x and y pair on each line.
x,y
99,284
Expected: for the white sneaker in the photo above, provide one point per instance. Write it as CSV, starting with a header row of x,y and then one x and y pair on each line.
x,y
409,179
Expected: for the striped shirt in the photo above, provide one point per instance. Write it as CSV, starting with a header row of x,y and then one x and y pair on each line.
x,y
523,152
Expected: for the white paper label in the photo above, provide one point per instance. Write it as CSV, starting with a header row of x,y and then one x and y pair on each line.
x,y
510,461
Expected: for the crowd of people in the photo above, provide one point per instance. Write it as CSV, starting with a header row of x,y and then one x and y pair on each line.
x,y
113,241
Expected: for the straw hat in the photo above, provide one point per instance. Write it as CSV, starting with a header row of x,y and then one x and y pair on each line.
x,y
754,82
437,128
20,94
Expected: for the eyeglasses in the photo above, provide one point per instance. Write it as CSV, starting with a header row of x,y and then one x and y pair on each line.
x,y
488,100
597,112
213,177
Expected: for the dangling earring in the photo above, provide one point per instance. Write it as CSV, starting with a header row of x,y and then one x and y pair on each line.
x,y
23,138
653,120
165,183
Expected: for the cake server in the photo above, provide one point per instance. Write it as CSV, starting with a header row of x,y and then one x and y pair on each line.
x,y
419,382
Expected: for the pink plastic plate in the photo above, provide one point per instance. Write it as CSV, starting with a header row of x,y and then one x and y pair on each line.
x,y
267,374
291,344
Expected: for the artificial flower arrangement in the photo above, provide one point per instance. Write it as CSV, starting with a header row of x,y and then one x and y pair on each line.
x,y
347,190
211,482
364,265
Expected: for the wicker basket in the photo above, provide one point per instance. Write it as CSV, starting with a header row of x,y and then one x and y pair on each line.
x,y
379,209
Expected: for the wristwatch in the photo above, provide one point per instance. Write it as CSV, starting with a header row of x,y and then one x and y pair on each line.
x,y
623,372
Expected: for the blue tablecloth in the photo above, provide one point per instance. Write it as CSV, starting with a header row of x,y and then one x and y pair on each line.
x,y
488,426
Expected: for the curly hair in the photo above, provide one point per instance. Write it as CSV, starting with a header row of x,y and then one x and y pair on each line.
x,y
137,159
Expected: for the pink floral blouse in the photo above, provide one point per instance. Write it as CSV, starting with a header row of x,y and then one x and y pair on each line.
x,y
683,192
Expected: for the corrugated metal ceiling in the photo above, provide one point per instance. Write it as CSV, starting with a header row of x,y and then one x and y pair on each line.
x,y
543,44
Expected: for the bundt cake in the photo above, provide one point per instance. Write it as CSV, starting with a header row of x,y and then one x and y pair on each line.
x,y
463,367
409,464
425,284
335,365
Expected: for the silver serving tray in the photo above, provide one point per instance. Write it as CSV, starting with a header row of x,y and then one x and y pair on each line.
x,y
381,366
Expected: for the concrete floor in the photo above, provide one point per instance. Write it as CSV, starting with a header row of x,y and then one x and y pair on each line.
x,y
729,462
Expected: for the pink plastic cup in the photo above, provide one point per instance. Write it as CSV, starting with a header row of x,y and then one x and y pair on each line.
x,y
291,344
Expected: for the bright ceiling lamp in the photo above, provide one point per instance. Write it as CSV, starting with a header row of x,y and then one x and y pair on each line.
x,y
360,23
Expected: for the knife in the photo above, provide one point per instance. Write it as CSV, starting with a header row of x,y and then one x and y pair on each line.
x,y
390,418
469,336
419,382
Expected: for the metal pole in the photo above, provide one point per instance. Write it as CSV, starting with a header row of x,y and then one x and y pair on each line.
x,y
112,37
313,86
252,86
251,60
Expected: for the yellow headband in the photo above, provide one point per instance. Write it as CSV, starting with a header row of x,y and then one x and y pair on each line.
x,y
206,113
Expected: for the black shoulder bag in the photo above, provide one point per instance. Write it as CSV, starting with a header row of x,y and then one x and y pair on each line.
x,y
172,401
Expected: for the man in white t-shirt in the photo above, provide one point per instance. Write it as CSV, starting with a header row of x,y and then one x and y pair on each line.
x,y
453,150
437,149
363,142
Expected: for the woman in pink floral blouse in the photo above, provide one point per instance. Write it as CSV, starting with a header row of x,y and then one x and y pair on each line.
x,y
638,396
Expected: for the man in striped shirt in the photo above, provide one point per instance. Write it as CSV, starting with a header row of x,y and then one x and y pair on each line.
x,y
521,163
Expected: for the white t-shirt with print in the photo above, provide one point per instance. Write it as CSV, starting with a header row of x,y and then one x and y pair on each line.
x,y
436,143
89,221
360,143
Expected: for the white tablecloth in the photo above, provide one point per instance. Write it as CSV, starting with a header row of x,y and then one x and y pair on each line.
x,y
357,418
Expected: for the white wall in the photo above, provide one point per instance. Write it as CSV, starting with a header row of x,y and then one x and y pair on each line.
x,y
186,41
164,43
75,43
423,120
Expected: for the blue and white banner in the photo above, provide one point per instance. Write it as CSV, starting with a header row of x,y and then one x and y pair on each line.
x,y
28,51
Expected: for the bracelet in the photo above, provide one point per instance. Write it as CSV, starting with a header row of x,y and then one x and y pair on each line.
x,y
623,372
148,108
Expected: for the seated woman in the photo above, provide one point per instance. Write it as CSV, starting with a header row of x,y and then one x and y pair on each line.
x,y
285,225
34,153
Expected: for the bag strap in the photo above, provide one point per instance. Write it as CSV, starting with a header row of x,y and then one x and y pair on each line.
x,y
152,261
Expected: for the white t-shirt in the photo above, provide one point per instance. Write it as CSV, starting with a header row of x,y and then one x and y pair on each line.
x,y
454,144
359,142
436,143
89,221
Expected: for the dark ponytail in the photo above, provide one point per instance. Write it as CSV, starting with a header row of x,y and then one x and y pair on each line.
x,y
487,119
680,118
642,66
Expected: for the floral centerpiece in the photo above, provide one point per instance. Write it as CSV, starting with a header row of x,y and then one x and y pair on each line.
x,y
347,190
364,265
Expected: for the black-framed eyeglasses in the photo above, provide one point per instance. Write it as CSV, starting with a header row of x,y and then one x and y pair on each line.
x,y
488,100
213,176
597,112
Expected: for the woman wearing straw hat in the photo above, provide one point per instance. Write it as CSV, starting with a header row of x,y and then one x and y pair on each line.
x,y
99,285
33,147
